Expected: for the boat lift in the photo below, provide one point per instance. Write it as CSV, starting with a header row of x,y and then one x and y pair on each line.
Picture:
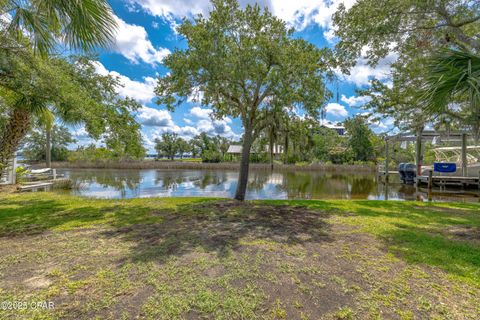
x,y
461,156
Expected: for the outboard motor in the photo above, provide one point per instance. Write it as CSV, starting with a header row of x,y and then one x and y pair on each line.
x,y
410,173
401,171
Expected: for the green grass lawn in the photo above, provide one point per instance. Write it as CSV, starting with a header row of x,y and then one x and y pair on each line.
x,y
189,258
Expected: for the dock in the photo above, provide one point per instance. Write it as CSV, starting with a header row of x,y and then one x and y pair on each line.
x,y
35,187
382,173
457,181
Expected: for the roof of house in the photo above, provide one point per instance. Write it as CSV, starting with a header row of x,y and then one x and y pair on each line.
x,y
331,125
234,149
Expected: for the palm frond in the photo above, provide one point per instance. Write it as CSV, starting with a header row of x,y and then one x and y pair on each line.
x,y
452,76
80,24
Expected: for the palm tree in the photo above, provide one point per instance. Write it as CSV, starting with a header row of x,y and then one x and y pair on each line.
x,y
47,119
275,124
36,25
452,87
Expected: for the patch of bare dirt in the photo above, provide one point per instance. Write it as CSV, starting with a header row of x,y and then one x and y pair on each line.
x,y
463,232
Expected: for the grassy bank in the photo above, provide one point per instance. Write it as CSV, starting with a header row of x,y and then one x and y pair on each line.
x,y
176,258
150,164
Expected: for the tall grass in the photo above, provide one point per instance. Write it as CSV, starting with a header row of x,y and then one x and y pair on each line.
x,y
208,166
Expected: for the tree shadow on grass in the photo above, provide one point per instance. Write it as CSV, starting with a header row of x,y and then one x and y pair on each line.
x,y
220,226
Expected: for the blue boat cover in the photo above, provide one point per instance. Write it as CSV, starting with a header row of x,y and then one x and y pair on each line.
x,y
444,167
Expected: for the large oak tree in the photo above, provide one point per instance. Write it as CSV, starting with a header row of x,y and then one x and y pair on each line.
x,y
246,63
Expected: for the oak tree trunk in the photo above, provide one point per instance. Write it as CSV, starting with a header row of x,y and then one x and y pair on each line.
x,y
244,165
15,130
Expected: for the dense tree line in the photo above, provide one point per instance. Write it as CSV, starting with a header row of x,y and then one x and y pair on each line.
x,y
209,149
298,140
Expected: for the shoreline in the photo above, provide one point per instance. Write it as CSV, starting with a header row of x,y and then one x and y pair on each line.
x,y
206,166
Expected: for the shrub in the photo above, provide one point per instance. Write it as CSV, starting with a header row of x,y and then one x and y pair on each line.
x,y
211,156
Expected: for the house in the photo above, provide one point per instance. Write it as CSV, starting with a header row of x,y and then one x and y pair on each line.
x,y
234,149
334,126
237,149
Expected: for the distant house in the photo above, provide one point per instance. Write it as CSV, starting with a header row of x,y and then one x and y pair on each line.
x,y
237,149
234,149
334,126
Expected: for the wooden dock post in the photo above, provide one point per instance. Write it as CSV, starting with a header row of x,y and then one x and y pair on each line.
x,y
464,155
418,154
430,184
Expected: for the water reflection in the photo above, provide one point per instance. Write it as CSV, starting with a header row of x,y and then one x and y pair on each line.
x,y
210,183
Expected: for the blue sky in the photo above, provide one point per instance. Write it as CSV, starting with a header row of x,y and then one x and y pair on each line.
x,y
147,34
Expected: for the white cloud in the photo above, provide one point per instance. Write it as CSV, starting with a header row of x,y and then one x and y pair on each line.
x,y
301,13
168,8
211,126
143,92
155,118
336,110
196,96
132,42
80,133
162,121
82,138
216,127
379,123
362,73
186,132
298,13
355,101
201,113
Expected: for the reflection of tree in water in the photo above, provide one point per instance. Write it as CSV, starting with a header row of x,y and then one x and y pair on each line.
x,y
169,180
300,185
257,180
308,185
362,185
120,180
208,178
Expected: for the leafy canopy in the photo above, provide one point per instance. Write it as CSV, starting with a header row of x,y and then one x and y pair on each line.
x,y
360,136
413,32
244,62
169,145
74,93
35,144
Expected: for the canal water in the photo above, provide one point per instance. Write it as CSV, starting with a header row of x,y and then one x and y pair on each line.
x,y
114,183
